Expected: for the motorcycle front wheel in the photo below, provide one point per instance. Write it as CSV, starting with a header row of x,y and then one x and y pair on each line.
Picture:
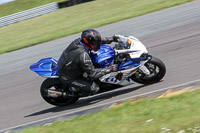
x,y
55,84
157,71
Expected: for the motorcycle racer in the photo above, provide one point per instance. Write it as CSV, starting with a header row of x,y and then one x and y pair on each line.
x,y
75,68
75,76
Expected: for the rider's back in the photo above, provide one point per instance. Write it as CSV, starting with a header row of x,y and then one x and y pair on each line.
x,y
68,63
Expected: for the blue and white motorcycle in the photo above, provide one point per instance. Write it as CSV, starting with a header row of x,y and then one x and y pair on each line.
x,y
134,65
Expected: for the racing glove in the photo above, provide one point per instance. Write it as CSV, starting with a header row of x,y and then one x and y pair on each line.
x,y
120,38
113,68
115,38
109,40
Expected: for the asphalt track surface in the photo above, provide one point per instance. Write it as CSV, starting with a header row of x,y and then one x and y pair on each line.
x,y
172,35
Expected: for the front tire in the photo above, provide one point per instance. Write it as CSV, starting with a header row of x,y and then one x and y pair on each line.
x,y
157,71
55,84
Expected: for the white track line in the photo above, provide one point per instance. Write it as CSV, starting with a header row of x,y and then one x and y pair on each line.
x,y
179,85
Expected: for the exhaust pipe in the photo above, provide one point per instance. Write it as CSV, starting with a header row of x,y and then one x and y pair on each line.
x,y
55,94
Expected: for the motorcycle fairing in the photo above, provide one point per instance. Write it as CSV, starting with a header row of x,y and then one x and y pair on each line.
x,y
46,67
128,64
104,57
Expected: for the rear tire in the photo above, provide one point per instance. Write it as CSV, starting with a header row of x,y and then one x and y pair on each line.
x,y
55,84
157,71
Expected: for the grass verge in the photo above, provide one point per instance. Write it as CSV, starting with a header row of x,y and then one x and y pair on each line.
x,y
74,19
175,114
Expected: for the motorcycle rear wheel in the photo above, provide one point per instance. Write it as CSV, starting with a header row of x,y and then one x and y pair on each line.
x,y
55,84
157,71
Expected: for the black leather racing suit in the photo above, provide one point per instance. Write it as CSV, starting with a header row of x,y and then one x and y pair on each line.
x,y
74,62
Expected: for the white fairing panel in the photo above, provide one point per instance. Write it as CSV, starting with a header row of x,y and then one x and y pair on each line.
x,y
137,47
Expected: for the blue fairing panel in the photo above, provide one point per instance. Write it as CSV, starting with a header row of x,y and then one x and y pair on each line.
x,y
103,57
45,67
128,64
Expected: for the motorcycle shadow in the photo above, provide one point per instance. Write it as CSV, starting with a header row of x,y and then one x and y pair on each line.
x,y
87,101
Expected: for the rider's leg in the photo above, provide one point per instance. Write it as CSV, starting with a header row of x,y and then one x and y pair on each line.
x,y
84,86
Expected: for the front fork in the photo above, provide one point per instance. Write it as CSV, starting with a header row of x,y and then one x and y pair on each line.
x,y
143,68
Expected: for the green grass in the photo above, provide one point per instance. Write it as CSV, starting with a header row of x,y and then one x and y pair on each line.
x,y
74,19
21,5
175,113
